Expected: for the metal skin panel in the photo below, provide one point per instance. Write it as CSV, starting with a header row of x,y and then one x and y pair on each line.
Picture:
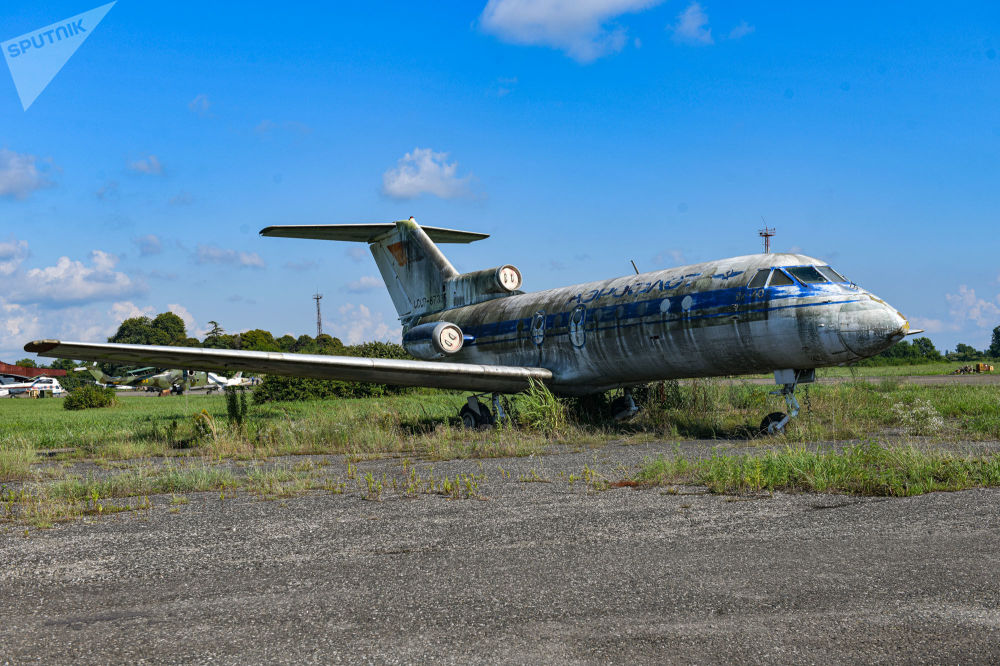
x,y
691,321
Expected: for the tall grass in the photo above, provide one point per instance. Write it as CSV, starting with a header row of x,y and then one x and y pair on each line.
x,y
864,469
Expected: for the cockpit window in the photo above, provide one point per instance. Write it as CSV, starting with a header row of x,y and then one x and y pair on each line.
x,y
760,279
779,279
807,274
831,275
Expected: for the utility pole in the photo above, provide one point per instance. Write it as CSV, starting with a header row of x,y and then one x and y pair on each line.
x,y
319,317
767,233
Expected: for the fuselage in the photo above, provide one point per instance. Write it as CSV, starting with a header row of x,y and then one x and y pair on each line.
x,y
711,319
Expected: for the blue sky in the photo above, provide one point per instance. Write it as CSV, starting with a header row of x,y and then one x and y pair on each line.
x,y
580,134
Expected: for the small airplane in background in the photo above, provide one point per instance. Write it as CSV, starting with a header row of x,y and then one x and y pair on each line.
x,y
10,388
783,313
177,380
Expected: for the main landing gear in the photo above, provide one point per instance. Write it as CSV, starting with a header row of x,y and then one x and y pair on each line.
x,y
476,415
775,422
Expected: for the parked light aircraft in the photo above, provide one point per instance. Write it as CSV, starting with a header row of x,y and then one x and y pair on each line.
x,y
781,313
47,384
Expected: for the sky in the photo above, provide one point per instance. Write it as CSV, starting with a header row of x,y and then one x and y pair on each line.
x,y
580,134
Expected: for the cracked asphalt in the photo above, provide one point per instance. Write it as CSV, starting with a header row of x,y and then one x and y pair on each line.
x,y
542,571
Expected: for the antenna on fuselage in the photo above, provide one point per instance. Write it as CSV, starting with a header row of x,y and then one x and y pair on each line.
x,y
767,233
634,266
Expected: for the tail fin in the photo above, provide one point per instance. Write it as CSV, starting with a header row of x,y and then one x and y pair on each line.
x,y
95,370
412,266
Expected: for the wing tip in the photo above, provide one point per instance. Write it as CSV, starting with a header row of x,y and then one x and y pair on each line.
x,y
41,346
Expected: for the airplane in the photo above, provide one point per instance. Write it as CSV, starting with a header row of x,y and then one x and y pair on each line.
x,y
48,384
130,379
180,381
783,313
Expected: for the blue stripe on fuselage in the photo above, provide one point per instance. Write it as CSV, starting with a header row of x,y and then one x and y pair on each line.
x,y
717,299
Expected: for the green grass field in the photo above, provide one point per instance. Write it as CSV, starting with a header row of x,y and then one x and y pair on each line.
x,y
149,445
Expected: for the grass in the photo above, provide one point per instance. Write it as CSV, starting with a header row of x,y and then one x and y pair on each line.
x,y
146,446
863,469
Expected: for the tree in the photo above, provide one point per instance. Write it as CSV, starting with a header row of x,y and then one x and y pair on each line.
x,y
258,340
994,349
134,331
26,363
169,329
286,343
964,352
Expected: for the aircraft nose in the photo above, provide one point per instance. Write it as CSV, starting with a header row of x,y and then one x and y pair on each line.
x,y
870,327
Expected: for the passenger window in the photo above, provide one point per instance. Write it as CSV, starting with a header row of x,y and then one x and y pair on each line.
x,y
807,274
831,275
760,279
779,279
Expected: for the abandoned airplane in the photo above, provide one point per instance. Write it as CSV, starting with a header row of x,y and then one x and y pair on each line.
x,y
782,313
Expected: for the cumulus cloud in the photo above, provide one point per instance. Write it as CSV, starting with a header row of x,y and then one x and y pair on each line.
x,y
148,245
189,323
741,30
148,165
579,28
12,253
19,175
357,324
966,306
692,26
366,283
212,254
200,104
424,172
72,281
123,310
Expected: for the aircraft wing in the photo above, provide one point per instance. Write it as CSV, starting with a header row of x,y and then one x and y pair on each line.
x,y
461,376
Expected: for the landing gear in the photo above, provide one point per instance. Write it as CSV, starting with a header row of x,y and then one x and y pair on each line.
x,y
476,415
775,422
624,408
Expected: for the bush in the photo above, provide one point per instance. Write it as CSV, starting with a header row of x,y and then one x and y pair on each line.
x,y
280,389
89,396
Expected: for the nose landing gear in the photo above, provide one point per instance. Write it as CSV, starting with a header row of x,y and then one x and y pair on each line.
x,y
775,422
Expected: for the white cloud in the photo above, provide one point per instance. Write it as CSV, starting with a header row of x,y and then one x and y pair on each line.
x,y
358,324
692,26
19,176
211,254
74,282
148,165
366,283
123,310
357,253
931,325
424,172
577,27
200,104
304,265
741,30
21,323
12,253
965,305
189,323
149,244
108,191
668,257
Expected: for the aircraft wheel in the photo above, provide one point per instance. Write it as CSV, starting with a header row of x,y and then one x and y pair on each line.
x,y
773,417
622,409
471,420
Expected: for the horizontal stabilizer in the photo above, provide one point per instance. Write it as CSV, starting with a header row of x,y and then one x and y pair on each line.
x,y
460,376
364,233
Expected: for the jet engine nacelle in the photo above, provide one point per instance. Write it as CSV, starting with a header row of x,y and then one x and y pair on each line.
x,y
479,286
433,340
